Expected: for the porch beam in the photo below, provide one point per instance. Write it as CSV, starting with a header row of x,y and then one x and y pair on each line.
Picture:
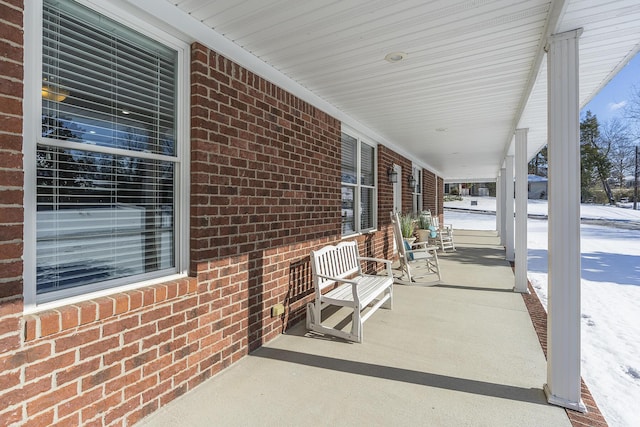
x,y
509,209
563,327
522,196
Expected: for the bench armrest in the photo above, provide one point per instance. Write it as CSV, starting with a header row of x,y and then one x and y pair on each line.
x,y
386,262
337,279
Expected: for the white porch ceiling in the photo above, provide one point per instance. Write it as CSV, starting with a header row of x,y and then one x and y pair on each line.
x,y
474,70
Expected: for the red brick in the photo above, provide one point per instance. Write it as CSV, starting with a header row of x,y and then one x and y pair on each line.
x,y
78,371
10,324
9,343
153,366
71,420
49,323
121,303
139,333
88,312
9,379
30,328
160,293
11,306
99,377
145,410
77,339
10,124
12,250
42,420
97,348
154,393
11,416
135,300
120,354
120,325
11,270
50,365
155,314
157,339
140,386
26,392
11,288
8,105
92,404
51,399
141,359
118,384
80,403
69,317
105,307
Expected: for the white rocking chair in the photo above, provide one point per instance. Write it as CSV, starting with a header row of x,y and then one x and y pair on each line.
x,y
419,255
444,235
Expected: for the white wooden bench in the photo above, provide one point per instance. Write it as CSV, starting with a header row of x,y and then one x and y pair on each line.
x,y
338,268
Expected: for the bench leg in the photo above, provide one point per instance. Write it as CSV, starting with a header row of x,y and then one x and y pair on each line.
x,y
389,303
356,324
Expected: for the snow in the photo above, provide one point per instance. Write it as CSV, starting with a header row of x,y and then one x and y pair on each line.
x,y
610,295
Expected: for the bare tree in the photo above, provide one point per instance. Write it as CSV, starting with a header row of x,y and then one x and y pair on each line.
x,y
632,111
615,142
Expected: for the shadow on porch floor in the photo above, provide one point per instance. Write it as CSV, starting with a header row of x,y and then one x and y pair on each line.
x,y
459,352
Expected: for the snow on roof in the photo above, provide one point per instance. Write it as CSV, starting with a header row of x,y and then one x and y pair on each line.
x,y
536,178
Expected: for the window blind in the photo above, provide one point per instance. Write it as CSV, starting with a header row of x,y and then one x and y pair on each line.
x,y
106,160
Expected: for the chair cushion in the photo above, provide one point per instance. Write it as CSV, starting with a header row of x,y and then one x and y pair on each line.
x,y
432,232
407,246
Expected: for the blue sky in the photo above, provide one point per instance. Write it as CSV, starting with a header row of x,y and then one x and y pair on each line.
x,y
610,101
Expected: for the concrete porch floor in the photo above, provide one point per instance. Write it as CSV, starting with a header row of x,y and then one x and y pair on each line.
x,y
462,352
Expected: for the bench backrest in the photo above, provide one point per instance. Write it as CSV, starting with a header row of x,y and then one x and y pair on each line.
x,y
339,261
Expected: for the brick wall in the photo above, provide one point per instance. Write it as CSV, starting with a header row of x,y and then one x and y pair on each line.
x,y
11,175
265,190
429,199
387,157
440,198
11,200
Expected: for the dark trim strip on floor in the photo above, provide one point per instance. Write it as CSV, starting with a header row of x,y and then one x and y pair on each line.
x,y
593,417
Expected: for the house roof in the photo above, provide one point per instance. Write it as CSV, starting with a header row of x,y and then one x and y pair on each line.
x,y
473,70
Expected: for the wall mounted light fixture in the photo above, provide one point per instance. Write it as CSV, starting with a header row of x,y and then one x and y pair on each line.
x,y
392,174
412,182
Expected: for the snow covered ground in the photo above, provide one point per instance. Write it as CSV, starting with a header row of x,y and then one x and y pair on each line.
x,y
610,296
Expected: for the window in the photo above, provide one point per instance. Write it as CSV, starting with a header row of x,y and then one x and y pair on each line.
x,y
358,185
416,193
107,155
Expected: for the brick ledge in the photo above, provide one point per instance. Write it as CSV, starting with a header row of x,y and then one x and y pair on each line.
x,y
593,417
67,317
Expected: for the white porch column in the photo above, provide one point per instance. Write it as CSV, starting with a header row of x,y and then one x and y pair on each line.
x,y
508,212
498,206
522,195
563,327
502,207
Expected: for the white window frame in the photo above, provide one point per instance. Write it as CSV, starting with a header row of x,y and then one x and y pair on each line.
x,y
417,202
31,133
358,185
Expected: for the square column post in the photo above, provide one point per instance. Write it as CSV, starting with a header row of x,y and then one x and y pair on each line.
x,y
508,212
503,207
522,196
563,327
499,205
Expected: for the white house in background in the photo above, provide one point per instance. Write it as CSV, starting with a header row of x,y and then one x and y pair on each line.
x,y
537,187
